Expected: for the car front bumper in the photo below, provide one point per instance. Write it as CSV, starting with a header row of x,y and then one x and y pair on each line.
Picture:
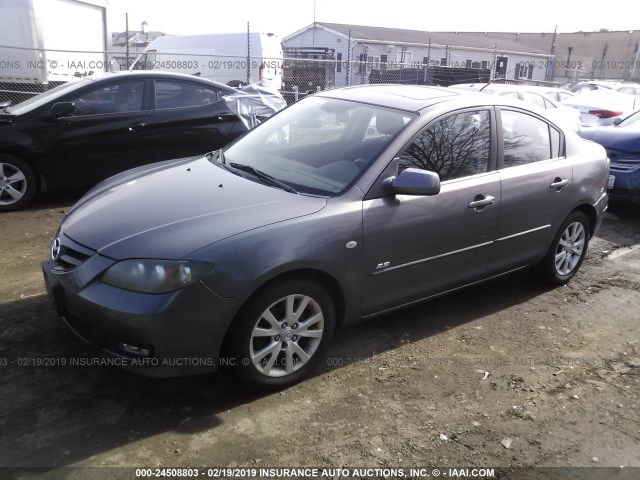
x,y
626,185
167,335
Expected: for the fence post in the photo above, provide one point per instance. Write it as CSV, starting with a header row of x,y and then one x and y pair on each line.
x,y
295,93
248,54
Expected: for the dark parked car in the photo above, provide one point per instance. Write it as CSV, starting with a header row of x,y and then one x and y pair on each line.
x,y
85,131
622,142
347,205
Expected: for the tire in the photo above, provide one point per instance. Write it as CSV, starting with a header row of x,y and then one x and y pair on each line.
x,y
236,83
567,251
278,338
17,183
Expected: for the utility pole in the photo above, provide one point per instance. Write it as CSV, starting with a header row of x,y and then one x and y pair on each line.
x,y
313,38
349,59
550,73
248,54
495,63
126,36
635,62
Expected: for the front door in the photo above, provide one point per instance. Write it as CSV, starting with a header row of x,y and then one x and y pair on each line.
x,y
417,246
105,134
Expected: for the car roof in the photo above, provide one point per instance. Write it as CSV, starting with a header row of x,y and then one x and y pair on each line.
x,y
415,98
78,83
486,86
405,97
99,77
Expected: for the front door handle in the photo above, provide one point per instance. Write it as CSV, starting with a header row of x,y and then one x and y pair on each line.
x,y
559,184
136,126
480,201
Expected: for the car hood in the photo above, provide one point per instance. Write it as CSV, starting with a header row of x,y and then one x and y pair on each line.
x,y
170,209
616,138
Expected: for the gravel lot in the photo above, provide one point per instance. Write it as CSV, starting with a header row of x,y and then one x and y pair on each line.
x,y
510,373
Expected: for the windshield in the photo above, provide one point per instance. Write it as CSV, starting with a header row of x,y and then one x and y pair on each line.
x,y
319,146
145,61
631,121
42,98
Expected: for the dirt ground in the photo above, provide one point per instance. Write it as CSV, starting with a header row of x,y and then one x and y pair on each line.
x,y
506,374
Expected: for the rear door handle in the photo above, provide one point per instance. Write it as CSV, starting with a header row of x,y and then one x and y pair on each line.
x,y
481,201
559,184
226,115
136,126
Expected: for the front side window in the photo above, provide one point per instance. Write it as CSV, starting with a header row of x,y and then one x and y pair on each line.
x,y
526,138
114,98
172,94
456,146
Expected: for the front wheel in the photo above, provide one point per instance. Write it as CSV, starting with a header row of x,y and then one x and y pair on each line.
x,y
282,333
17,183
568,250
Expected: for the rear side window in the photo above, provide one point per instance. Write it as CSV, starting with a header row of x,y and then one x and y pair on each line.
x,y
564,96
534,98
556,146
629,90
513,95
176,94
526,139
146,61
454,147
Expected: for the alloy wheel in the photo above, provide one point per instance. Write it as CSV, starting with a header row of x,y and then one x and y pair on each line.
x,y
13,184
570,248
287,335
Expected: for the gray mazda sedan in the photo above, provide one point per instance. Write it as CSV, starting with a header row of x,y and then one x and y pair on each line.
x,y
347,205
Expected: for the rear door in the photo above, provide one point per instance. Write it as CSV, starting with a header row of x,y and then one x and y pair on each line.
x,y
189,118
536,181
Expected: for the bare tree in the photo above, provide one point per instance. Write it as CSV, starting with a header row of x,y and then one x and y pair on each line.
x,y
456,146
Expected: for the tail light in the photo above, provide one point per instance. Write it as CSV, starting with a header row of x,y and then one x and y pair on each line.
x,y
605,113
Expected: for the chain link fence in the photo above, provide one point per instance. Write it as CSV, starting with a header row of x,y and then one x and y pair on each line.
x,y
28,72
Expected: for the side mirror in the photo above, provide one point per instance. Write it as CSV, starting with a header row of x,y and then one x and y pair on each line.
x,y
617,120
414,181
61,109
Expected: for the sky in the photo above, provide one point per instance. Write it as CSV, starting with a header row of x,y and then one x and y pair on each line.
x,y
283,17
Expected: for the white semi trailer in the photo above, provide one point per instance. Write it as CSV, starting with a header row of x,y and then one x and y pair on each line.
x,y
51,41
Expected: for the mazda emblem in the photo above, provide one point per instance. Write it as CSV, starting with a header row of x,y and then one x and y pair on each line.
x,y
55,249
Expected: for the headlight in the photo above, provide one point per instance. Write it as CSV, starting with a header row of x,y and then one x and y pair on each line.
x,y
155,276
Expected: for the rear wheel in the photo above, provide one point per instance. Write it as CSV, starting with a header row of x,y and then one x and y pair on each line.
x,y
282,334
568,250
17,183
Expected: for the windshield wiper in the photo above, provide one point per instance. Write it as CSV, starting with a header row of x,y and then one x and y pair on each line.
x,y
220,160
263,176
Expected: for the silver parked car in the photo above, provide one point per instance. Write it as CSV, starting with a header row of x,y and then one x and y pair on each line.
x,y
543,97
603,107
345,206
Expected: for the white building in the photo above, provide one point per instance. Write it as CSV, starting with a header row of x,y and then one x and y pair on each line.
x,y
359,50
